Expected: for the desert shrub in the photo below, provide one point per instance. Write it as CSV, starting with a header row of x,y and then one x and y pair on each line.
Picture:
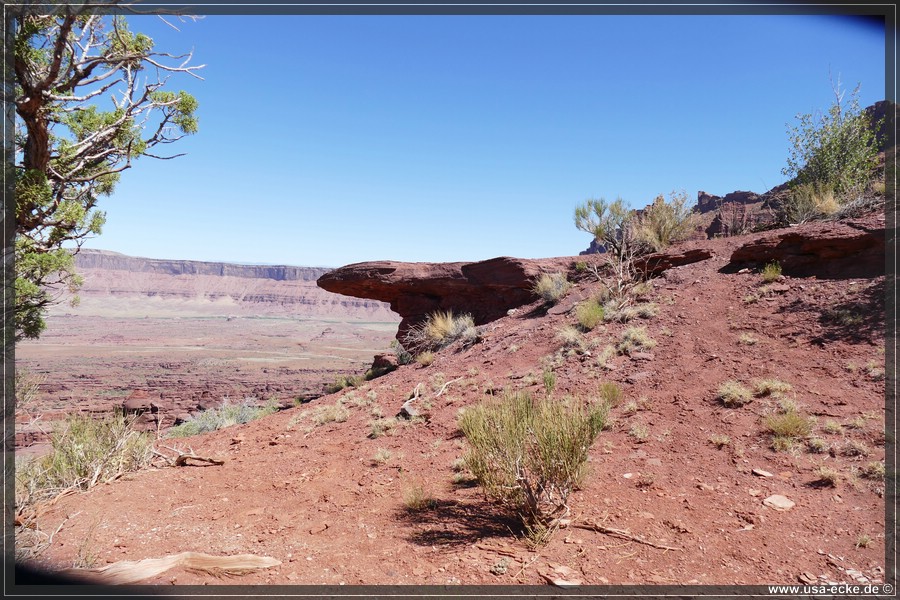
x,y
589,314
551,287
226,415
530,454
807,202
771,272
663,223
733,394
425,358
440,329
635,339
837,149
84,451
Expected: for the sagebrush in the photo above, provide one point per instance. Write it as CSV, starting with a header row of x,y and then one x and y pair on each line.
x,y
529,454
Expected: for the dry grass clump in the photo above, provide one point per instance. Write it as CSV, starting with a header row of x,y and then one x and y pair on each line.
x,y
635,339
418,499
808,202
529,454
719,440
610,394
425,358
788,428
440,329
733,394
826,476
771,387
570,337
382,455
551,287
873,470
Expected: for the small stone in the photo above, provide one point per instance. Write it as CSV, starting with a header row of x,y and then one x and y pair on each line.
x,y
779,502
753,492
318,528
628,475
807,578
761,473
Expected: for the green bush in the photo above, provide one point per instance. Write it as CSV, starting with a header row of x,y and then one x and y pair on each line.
x,y
838,149
84,451
530,454
226,415
589,314
551,288
771,272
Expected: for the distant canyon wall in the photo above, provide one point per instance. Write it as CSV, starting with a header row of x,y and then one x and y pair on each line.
x,y
121,285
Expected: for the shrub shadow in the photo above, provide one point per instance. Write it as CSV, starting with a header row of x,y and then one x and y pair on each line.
x,y
451,523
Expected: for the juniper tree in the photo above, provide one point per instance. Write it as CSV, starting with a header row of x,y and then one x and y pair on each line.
x,y
90,98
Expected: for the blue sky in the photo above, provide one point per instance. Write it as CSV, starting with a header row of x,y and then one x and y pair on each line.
x,y
327,140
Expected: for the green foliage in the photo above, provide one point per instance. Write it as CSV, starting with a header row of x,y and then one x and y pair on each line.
x,y
608,222
663,223
226,415
84,112
837,149
530,454
551,287
84,451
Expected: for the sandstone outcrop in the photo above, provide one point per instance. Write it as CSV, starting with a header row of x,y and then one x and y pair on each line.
x,y
845,249
485,289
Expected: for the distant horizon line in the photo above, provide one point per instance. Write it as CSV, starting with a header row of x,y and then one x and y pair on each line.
x,y
226,262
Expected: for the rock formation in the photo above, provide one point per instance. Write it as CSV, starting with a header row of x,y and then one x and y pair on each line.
x,y
846,249
485,289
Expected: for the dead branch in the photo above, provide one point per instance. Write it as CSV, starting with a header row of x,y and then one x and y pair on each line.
x,y
621,534
182,458
444,387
